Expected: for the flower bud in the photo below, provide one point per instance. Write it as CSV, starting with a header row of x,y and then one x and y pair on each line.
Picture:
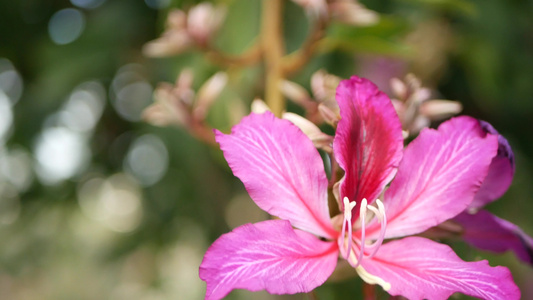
x,y
440,109
174,39
202,22
208,92
259,106
319,139
351,12
167,109
331,117
324,86
314,8
294,92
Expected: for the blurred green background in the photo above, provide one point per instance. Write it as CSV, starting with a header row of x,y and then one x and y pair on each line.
x,y
97,204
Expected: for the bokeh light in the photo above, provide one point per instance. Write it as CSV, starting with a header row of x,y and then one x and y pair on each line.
x,y
60,153
88,4
16,168
66,26
6,116
115,201
84,107
10,81
147,159
131,93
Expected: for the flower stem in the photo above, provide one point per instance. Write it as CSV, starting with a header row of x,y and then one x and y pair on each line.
x,y
273,51
249,57
312,295
369,291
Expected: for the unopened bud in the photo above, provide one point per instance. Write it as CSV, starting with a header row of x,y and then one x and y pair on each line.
x,y
418,124
405,134
324,86
440,109
259,106
294,92
159,115
185,79
203,20
174,39
314,8
398,88
329,115
176,19
319,139
420,95
353,13
168,108
399,106
207,94
413,83
171,43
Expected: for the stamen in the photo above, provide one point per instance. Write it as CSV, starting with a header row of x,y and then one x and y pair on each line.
x,y
382,218
349,240
347,222
362,217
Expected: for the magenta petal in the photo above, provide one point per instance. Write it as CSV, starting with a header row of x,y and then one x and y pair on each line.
x,y
439,175
418,268
488,232
368,141
281,170
269,255
500,174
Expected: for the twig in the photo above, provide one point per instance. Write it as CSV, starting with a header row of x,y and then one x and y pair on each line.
x,y
296,60
273,50
249,57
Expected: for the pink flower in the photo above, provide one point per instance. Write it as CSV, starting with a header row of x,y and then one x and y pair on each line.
x,y
436,179
484,230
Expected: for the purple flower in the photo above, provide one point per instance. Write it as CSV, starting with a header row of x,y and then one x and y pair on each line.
x,y
484,230
435,178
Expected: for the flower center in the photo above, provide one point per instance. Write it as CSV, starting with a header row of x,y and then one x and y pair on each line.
x,y
348,240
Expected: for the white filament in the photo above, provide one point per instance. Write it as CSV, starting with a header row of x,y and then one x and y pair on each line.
x,y
379,213
347,222
382,218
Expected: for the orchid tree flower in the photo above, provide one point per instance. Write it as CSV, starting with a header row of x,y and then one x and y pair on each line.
x,y
435,178
481,228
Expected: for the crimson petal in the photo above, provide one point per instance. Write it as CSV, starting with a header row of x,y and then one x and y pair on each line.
x,y
368,142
